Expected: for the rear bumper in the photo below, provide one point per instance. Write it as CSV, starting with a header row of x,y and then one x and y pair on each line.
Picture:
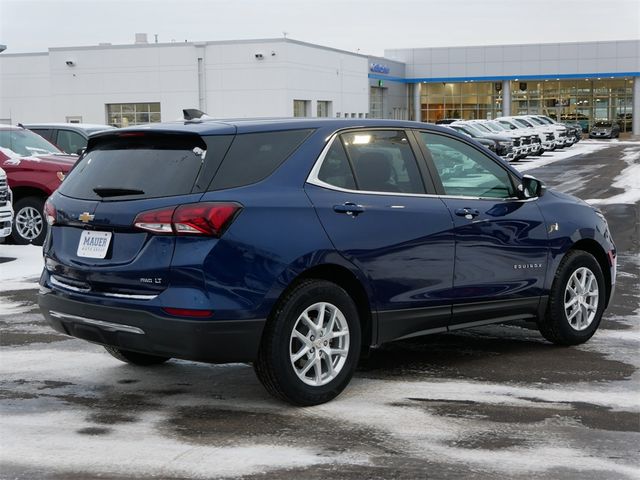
x,y
212,341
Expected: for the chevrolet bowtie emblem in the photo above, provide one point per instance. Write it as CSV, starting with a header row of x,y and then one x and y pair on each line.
x,y
85,217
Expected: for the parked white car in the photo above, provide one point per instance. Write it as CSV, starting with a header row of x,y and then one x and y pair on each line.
x,y
547,137
6,209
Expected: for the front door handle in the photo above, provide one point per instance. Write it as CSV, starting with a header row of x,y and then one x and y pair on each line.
x,y
349,208
468,213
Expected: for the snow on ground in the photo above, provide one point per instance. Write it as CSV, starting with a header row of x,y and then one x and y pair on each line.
x,y
23,269
138,448
628,180
142,445
582,148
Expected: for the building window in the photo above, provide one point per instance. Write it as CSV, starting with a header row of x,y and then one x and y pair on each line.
x,y
376,99
466,100
324,108
302,108
128,114
582,100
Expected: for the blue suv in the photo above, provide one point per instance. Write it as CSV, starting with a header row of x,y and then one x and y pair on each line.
x,y
299,244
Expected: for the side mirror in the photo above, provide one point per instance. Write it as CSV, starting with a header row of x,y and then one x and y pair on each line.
x,y
80,151
531,187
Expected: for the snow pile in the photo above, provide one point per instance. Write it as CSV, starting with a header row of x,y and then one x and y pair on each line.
x,y
548,158
23,268
628,180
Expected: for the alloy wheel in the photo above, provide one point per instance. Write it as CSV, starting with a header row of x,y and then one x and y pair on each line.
x,y
319,344
581,298
29,223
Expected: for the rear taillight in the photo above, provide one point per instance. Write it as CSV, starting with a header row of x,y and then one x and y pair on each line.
x,y
158,221
209,218
49,212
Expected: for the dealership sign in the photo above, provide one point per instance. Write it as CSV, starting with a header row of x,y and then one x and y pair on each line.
x,y
379,68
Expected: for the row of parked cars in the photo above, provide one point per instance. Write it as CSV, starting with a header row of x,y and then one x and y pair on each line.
x,y
516,137
34,160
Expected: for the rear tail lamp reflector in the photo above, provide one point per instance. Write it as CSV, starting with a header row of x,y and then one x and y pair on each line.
x,y
187,312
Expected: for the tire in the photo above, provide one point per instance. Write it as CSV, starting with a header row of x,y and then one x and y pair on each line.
x,y
556,325
277,369
29,224
134,358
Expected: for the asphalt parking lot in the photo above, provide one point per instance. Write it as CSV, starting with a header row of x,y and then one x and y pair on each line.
x,y
491,402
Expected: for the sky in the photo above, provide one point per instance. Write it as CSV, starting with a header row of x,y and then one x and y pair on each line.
x,y
364,26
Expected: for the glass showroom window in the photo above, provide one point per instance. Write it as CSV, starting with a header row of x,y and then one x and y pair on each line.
x,y
301,108
582,100
324,108
128,114
466,100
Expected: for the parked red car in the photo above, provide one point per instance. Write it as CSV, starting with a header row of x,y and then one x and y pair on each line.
x,y
35,168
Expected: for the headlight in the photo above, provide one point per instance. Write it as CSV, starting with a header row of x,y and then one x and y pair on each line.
x,y
504,143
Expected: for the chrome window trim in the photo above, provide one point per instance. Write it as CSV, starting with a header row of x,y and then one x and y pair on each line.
x,y
313,179
109,326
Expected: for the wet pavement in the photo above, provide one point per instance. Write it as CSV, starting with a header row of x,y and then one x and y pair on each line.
x,y
491,402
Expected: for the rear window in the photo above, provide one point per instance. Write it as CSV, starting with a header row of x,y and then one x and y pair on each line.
x,y
254,156
145,166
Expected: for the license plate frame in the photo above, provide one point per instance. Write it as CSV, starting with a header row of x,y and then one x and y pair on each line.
x,y
94,244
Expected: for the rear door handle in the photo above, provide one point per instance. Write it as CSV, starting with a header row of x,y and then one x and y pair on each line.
x,y
467,213
349,208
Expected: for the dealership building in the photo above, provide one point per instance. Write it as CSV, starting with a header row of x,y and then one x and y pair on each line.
x,y
147,82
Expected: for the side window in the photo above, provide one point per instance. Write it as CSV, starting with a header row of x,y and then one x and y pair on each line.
x,y
464,171
70,141
335,169
254,156
43,132
383,161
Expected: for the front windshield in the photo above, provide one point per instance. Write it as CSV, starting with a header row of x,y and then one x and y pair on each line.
x,y
524,123
495,126
602,124
546,120
482,127
535,120
507,125
473,129
463,130
18,142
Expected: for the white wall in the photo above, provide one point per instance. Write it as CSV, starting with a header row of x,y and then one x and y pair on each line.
x,y
43,88
518,60
240,85
25,88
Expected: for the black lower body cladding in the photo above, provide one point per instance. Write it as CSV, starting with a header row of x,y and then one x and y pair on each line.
x,y
211,341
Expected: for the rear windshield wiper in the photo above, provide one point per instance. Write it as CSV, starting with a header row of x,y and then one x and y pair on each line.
x,y
116,192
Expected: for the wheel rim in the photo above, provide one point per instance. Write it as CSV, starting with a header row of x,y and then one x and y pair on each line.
x,y
29,223
319,344
581,298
